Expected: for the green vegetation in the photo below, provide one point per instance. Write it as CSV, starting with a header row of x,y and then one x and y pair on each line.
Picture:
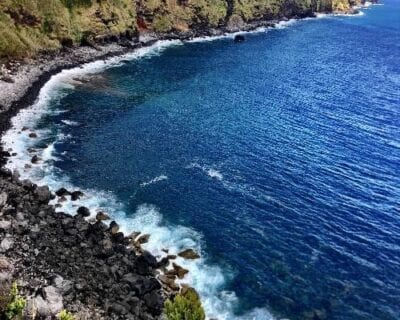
x,y
340,5
180,15
65,315
213,12
11,303
29,26
250,9
185,306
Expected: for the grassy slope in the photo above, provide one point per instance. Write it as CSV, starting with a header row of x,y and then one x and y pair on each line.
x,y
28,26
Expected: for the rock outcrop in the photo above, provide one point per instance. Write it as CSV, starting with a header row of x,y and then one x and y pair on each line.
x,y
62,261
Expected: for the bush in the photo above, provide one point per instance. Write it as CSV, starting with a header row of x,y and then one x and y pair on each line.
x,y
65,315
15,307
185,307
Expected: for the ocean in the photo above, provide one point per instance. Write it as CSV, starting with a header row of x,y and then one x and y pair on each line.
x,y
277,159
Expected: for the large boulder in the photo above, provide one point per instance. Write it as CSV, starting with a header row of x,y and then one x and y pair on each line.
x,y
145,263
177,271
114,227
101,216
189,254
169,281
64,286
239,38
140,284
154,302
83,211
144,238
50,303
43,194
6,244
62,192
5,225
75,195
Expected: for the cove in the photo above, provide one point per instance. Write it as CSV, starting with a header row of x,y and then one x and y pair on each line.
x,y
277,157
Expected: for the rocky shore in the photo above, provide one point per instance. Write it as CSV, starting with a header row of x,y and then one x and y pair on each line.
x,y
62,261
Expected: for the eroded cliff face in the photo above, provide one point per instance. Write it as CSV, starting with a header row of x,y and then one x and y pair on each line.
x,y
30,26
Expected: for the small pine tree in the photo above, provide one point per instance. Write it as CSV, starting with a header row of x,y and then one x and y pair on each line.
x,y
185,306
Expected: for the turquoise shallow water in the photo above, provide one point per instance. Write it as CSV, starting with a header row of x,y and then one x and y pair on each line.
x,y
281,154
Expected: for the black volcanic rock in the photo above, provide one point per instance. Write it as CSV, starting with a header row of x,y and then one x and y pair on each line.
x,y
239,38
83,211
62,192
79,264
43,194
75,195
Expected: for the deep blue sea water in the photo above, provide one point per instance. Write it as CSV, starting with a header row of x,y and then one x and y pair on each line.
x,y
281,155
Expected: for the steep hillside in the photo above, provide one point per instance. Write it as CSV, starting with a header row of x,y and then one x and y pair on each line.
x,y
30,26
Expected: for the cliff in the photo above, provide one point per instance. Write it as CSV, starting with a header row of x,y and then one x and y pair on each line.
x,y
28,27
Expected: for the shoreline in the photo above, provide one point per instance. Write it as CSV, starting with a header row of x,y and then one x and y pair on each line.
x,y
37,71
34,73
24,99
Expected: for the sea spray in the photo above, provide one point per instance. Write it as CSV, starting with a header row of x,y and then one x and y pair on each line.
x,y
208,279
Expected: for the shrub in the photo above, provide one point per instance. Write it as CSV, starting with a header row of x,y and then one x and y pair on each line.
x,y
162,23
185,307
65,315
15,307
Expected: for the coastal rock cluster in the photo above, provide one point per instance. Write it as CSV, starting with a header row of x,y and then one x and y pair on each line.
x,y
62,261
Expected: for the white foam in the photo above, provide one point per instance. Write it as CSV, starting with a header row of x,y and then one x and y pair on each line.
x,y
48,153
154,180
231,35
70,123
285,24
215,174
208,39
209,170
